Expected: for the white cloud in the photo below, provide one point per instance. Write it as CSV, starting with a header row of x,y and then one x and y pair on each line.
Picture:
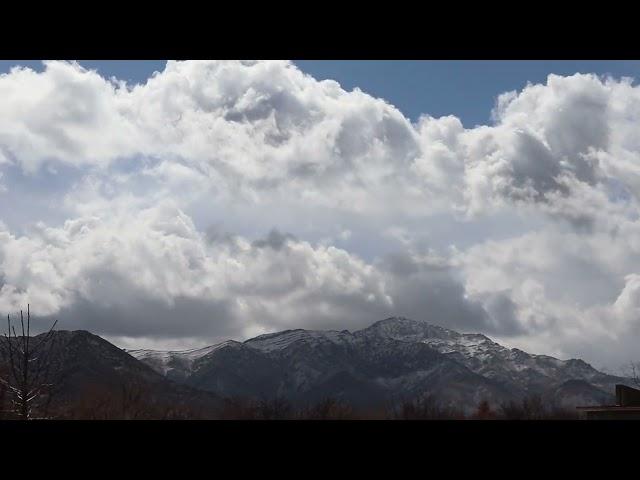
x,y
156,259
116,189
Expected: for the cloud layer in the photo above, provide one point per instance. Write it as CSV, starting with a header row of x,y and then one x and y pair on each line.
x,y
226,199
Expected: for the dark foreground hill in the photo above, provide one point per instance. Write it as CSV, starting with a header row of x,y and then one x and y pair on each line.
x,y
92,378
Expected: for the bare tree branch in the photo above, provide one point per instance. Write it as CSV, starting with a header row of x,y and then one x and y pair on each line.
x,y
27,381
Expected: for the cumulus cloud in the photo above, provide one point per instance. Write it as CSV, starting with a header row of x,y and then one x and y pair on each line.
x,y
249,126
154,274
256,127
426,287
572,293
225,199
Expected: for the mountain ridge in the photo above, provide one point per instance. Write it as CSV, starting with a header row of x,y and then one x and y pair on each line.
x,y
391,357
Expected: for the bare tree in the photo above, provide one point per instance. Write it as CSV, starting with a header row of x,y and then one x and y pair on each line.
x,y
3,391
329,409
484,411
27,379
632,371
277,408
427,407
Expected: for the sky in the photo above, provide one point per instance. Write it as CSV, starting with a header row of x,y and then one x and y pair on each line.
x,y
216,199
464,88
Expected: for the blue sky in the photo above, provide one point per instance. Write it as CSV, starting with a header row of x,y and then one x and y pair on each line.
x,y
465,88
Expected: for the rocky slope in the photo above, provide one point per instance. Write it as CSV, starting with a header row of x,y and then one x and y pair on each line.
x,y
391,360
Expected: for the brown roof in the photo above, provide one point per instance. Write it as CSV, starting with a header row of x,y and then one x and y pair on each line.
x,y
614,408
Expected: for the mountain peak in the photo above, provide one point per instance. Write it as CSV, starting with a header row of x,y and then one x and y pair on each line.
x,y
402,328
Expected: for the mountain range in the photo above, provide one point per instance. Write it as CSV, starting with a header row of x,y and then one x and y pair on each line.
x,y
392,360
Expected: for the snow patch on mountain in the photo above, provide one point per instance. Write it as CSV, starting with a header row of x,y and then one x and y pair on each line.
x,y
395,356
180,362
275,342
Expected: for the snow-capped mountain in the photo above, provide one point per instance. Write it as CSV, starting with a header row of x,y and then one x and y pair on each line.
x,y
492,360
393,359
175,365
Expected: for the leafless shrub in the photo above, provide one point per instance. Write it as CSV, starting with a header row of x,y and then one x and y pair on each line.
x,y
275,409
534,408
484,412
632,371
425,408
130,401
27,380
329,409
3,392
237,408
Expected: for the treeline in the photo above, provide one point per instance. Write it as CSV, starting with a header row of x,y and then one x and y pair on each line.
x,y
135,403
423,408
